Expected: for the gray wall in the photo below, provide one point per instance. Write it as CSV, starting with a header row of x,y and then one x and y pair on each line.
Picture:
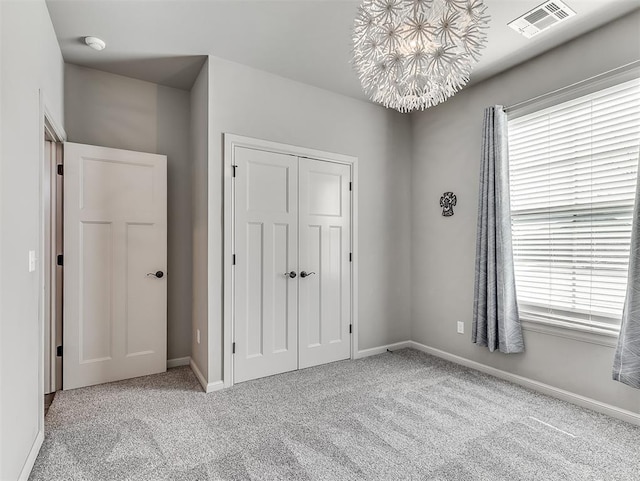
x,y
114,111
30,62
250,102
199,143
446,148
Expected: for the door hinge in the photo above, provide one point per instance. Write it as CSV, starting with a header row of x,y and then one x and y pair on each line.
x,y
59,351
60,169
234,259
350,185
350,328
60,259
234,170
233,348
350,257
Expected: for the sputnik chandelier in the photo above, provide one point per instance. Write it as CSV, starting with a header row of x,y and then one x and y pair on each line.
x,y
413,54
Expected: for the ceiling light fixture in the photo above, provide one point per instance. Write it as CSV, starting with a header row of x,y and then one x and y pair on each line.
x,y
95,43
413,54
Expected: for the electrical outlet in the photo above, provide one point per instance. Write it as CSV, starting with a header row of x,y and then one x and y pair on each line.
x,y
198,336
460,327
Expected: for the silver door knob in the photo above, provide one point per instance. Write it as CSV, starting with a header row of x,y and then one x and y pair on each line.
x,y
304,274
157,274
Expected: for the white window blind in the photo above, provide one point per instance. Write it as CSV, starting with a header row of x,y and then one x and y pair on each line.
x,y
573,170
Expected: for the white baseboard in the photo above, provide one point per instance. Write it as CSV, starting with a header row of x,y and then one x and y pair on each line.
x,y
31,458
207,386
196,371
178,361
583,401
382,349
214,386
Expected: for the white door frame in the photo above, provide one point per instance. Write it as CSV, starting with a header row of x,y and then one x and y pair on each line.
x,y
49,123
231,141
52,286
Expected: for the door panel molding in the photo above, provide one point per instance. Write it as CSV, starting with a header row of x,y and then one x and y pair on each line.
x,y
231,143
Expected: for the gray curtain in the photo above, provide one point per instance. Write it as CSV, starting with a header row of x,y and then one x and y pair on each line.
x,y
496,323
626,365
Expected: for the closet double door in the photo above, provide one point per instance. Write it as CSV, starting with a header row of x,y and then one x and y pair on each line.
x,y
292,272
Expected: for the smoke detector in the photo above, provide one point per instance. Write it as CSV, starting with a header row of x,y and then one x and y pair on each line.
x,y
544,16
95,43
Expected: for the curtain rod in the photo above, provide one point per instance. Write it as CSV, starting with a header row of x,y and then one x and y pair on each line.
x,y
609,73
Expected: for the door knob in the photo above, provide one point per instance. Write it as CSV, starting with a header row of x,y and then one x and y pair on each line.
x,y
158,274
304,274
291,274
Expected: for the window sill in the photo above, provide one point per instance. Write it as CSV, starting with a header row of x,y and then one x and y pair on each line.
x,y
577,333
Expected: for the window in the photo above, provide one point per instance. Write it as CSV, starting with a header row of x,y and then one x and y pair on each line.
x,y
573,170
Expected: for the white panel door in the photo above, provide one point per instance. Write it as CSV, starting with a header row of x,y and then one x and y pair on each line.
x,y
325,268
115,239
266,251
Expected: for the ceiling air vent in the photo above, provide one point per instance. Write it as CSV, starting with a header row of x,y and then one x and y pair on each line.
x,y
541,18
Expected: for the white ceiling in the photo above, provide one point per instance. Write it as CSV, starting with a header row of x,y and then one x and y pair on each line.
x,y
162,41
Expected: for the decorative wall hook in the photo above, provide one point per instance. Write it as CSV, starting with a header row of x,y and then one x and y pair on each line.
x,y
447,201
